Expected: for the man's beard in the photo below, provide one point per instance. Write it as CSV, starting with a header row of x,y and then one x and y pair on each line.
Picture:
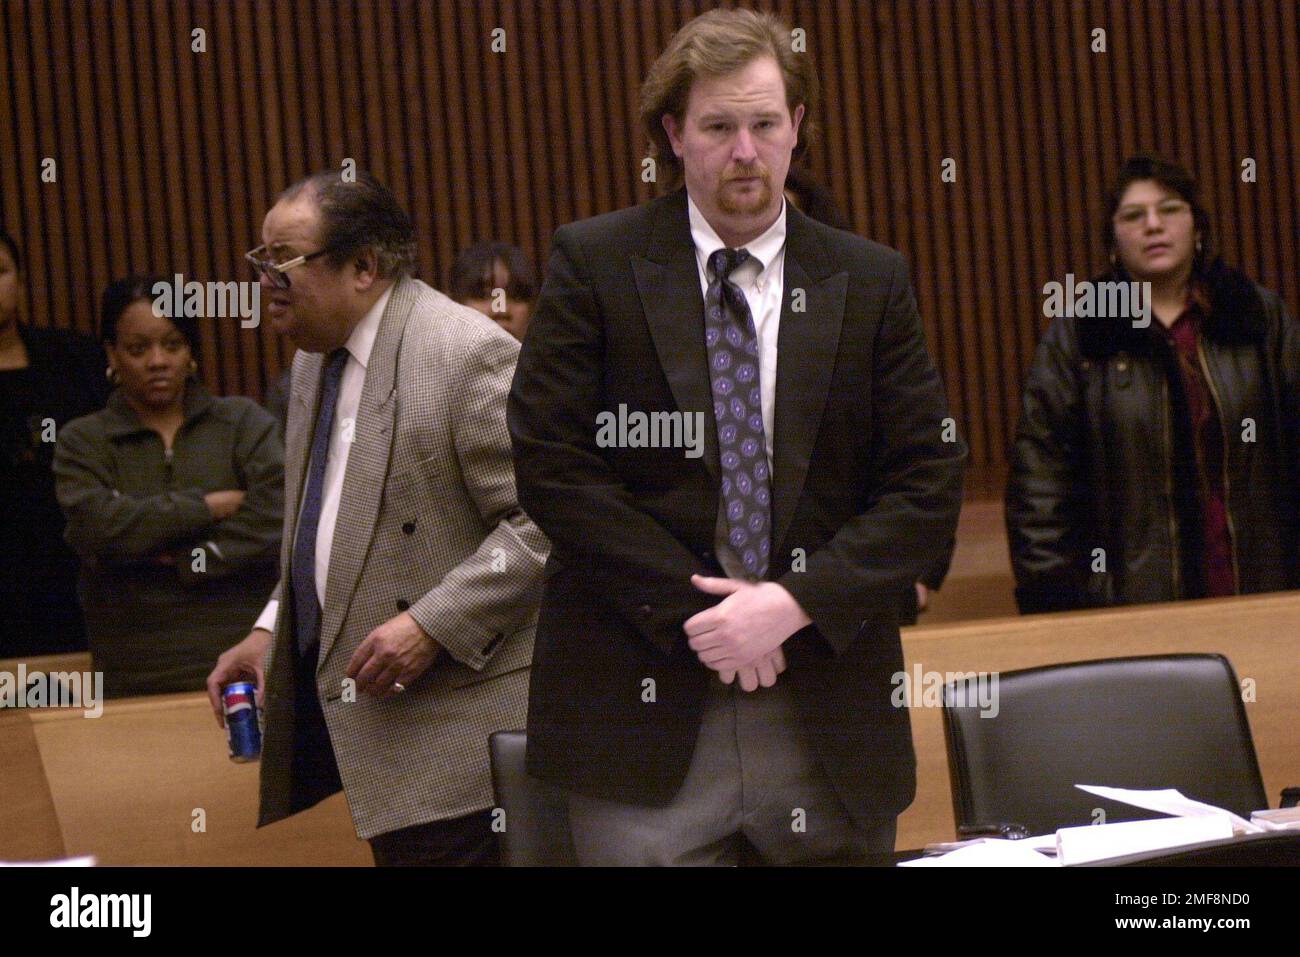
x,y
755,203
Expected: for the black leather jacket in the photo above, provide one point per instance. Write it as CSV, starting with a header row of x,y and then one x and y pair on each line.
x,y
1103,457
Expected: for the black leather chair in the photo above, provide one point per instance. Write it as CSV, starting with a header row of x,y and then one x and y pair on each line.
x,y
1162,721
536,813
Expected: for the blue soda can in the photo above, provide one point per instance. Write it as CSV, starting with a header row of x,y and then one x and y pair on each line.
x,y
243,730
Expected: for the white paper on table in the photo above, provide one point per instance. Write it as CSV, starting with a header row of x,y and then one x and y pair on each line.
x,y
992,852
1172,801
87,861
1277,819
1100,842
1043,842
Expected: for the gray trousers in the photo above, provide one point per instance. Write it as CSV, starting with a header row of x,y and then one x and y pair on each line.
x,y
752,774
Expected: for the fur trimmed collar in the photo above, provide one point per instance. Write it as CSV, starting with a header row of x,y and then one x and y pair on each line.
x,y
1236,316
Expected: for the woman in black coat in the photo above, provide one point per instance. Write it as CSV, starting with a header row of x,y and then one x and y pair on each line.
x,y
1157,461
47,378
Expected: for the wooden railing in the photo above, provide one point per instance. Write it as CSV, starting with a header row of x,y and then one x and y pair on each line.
x,y
148,782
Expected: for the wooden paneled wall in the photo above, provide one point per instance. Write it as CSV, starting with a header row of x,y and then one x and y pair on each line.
x,y
167,158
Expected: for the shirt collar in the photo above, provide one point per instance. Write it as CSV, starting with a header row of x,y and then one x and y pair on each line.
x,y
764,248
363,335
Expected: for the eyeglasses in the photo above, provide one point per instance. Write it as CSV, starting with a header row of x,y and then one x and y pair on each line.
x,y
276,271
1132,216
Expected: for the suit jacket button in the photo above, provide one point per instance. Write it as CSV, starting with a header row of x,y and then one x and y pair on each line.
x,y
644,611
403,604
409,528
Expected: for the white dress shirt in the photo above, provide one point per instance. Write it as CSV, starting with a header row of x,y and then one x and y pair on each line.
x,y
762,280
358,345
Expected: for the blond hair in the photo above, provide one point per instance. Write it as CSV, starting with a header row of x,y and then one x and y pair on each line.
x,y
712,45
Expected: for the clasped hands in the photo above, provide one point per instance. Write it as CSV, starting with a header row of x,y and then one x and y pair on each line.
x,y
741,636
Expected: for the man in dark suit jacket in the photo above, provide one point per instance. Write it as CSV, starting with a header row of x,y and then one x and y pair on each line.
x,y
719,631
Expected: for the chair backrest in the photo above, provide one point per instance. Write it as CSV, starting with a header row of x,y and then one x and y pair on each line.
x,y
536,830
1161,721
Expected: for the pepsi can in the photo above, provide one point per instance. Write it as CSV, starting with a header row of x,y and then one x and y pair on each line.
x,y
243,729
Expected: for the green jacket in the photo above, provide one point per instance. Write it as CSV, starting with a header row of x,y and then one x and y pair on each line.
x,y
164,587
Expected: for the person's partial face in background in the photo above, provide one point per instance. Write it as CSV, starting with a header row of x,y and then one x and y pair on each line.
x,y
322,304
151,357
735,142
11,291
1155,233
511,314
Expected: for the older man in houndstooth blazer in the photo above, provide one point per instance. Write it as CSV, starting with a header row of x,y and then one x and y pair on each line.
x,y
430,554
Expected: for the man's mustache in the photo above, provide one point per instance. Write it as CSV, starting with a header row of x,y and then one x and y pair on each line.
x,y
747,173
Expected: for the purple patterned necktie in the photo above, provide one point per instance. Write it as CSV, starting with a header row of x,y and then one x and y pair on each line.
x,y
732,346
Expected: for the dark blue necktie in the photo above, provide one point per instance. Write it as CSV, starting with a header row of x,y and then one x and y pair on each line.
x,y
732,346
302,579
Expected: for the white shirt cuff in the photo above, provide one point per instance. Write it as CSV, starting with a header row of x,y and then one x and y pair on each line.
x,y
267,618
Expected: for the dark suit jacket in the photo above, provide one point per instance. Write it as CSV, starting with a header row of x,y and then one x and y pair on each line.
x,y
865,496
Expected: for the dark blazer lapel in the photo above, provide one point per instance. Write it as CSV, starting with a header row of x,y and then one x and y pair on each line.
x,y
668,282
367,471
807,344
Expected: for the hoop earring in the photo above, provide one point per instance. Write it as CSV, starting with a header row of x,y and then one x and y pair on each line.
x,y
111,375
194,367
1198,247
1113,263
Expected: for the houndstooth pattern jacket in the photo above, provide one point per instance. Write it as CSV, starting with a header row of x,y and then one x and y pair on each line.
x,y
428,522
